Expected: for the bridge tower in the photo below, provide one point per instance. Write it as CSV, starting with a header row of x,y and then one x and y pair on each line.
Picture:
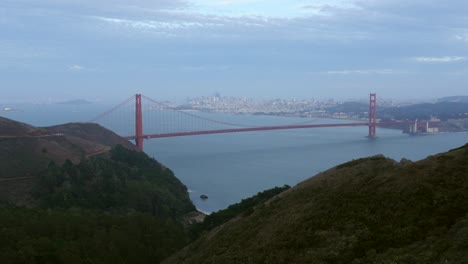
x,y
138,122
372,115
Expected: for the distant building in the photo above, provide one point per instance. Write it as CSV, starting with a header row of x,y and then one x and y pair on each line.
x,y
424,127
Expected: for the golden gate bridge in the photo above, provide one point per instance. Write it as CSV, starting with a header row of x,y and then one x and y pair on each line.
x,y
165,121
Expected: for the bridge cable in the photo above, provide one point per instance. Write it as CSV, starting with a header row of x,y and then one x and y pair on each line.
x,y
221,122
112,110
195,116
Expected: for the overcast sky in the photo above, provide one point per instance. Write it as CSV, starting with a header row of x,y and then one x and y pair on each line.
x,y
171,49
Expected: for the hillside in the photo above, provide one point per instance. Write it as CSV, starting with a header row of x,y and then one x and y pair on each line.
x,y
371,210
91,132
455,99
25,150
76,102
444,110
84,195
10,127
86,166
125,181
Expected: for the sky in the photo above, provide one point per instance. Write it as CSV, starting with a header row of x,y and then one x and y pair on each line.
x,y
104,50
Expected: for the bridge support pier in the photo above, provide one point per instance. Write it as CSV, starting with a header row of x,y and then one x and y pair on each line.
x,y
372,115
138,122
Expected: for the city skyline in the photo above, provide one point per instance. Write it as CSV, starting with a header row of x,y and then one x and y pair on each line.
x,y
172,50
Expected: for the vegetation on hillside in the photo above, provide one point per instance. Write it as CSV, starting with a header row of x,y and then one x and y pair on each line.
x,y
245,207
129,180
91,132
33,236
25,151
124,207
372,210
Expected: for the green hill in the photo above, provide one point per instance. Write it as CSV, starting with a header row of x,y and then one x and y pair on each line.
x,y
126,181
371,210
87,196
84,166
81,236
25,151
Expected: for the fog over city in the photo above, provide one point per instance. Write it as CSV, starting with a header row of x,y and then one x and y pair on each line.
x,y
173,49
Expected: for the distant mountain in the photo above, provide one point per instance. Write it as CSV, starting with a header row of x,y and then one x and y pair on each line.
x,y
446,108
454,99
443,110
371,210
76,102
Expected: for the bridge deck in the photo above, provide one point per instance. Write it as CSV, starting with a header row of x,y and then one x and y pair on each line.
x,y
265,128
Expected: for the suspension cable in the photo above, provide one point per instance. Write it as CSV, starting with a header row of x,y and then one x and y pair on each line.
x,y
194,116
112,110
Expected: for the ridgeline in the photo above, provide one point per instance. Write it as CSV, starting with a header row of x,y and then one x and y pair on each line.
x,y
78,193
371,210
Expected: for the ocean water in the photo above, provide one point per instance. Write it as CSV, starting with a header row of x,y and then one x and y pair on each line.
x,y
230,167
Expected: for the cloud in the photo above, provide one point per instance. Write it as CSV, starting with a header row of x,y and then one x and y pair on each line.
x,y
360,72
445,59
157,25
206,68
462,37
188,24
330,39
234,2
76,68
103,4
330,7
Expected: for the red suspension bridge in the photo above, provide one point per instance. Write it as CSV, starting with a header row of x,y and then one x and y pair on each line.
x,y
164,121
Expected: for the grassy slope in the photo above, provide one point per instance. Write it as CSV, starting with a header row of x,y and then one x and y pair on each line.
x,y
10,127
372,210
91,132
119,207
20,157
24,153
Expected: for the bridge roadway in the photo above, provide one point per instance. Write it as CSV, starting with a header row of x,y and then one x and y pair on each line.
x,y
265,128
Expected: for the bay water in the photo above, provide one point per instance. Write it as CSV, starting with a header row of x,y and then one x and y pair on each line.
x,y
230,167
